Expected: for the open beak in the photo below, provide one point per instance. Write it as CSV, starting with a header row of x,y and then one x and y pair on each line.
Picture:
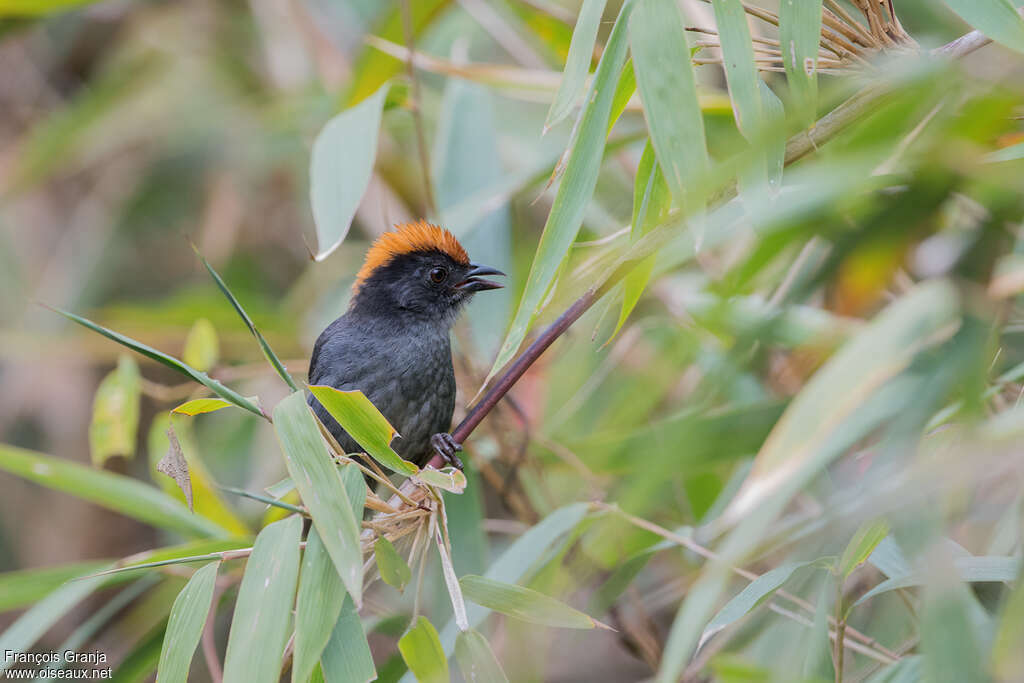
x,y
475,283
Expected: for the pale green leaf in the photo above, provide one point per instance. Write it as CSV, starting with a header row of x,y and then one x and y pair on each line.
x,y
799,31
185,626
668,90
340,168
112,491
393,569
476,659
262,617
322,489
448,478
860,547
347,657
363,422
574,190
115,413
202,349
317,607
577,66
198,406
523,603
997,19
421,650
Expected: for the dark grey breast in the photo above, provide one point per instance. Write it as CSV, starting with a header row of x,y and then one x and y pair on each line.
x,y
404,369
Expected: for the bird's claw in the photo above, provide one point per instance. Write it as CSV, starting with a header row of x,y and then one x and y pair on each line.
x,y
446,446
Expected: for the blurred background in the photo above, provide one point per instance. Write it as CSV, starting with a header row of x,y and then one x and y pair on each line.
x,y
129,128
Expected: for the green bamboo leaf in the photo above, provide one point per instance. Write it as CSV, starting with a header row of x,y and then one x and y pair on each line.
x,y
970,569
624,91
651,202
340,167
447,478
347,657
949,640
26,586
198,406
186,553
268,352
860,547
851,395
754,594
577,65
574,190
322,489
202,349
260,625
188,616
30,626
524,603
364,423
317,608
476,659
393,569
740,69
112,491
665,80
115,413
421,650
515,562
997,19
1007,654
799,35
168,361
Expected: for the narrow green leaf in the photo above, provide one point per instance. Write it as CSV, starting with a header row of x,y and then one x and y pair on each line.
x,y
971,569
476,659
317,608
198,406
624,91
524,603
651,202
799,34
187,553
30,626
340,168
261,621
421,650
997,19
26,586
393,569
860,547
268,352
447,478
347,657
740,69
818,652
112,491
515,562
755,593
188,615
668,90
364,423
574,190
577,66
852,394
1007,654
322,489
949,642
168,361
115,413
202,349
355,488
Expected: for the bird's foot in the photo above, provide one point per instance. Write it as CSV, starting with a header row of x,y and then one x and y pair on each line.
x,y
446,446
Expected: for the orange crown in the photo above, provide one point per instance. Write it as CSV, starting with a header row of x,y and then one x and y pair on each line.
x,y
408,238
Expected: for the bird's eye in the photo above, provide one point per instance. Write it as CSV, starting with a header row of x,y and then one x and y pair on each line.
x,y
438,275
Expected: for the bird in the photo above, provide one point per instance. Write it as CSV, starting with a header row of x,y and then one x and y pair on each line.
x,y
393,342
